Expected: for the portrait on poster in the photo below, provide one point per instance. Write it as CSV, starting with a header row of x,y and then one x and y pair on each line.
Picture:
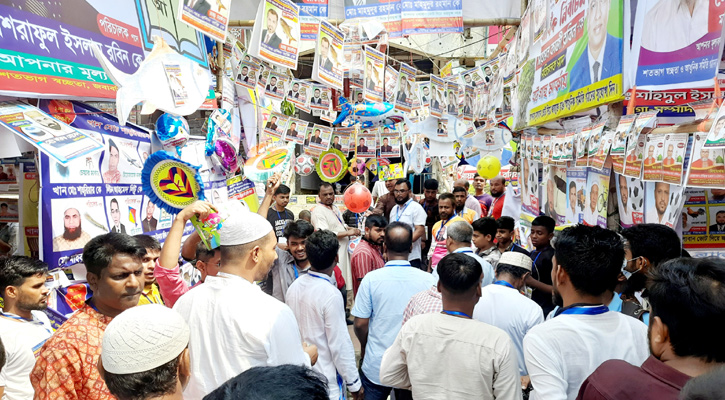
x,y
76,221
120,162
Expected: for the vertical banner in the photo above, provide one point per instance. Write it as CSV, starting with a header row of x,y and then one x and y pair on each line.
x,y
374,67
530,188
30,192
431,16
406,91
576,186
277,38
391,84
209,17
327,67
437,96
311,12
597,191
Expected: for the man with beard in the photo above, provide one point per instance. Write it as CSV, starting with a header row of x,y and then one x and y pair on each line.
x,y
23,325
462,211
368,254
386,202
662,197
447,213
498,192
291,263
472,202
234,325
561,352
66,367
429,202
73,236
408,210
651,245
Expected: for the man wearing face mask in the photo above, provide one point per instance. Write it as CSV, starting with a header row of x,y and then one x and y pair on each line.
x,y
651,244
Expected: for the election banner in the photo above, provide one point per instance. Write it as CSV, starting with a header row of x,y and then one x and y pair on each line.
x,y
311,12
716,136
327,67
630,200
388,13
437,96
663,203
676,44
673,163
406,88
703,218
576,186
52,54
209,17
431,16
580,64
277,38
530,188
374,67
299,94
596,194
707,165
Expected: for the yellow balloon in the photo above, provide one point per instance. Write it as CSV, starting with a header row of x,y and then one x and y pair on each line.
x,y
488,167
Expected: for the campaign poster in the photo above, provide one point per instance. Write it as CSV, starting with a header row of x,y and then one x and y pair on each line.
x,y
321,96
707,167
311,13
389,143
295,131
582,138
530,188
472,77
275,87
406,89
600,157
374,67
342,138
388,13
554,203
431,16
539,22
327,67
9,209
424,91
703,218
247,75
468,103
568,146
635,156
276,125
452,91
716,136
277,38
630,200
676,44
320,138
209,17
242,190
545,149
596,193
299,94
674,158
524,37
442,129
51,136
654,155
622,133
556,144
576,183
580,63
366,145
663,203
437,96
391,84
309,150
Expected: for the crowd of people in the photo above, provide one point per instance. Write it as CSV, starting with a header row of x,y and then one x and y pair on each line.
x,y
445,303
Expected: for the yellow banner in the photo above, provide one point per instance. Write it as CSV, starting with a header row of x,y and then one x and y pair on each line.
x,y
447,69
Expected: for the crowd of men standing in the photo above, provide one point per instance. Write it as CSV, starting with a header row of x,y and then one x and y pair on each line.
x,y
445,304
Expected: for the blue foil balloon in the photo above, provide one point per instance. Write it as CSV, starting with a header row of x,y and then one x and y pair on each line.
x,y
506,155
172,132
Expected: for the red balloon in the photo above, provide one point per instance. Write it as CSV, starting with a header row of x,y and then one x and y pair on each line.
x,y
357,198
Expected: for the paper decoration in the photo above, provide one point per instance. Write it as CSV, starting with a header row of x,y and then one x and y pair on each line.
x,y
331,166
171,184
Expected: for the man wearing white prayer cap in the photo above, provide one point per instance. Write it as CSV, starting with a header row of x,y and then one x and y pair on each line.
x,y
142,345
234,325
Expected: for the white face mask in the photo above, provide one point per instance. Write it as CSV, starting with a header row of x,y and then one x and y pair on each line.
x,y
626,273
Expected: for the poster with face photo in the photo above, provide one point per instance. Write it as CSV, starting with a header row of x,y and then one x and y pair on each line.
x,y
658,198
595,139
442,129
321,96
295,131
366,145
275,87
327,67
597,191
248,73
121,163
437,97
320,138
406,88
554,202
654,154
621,134
424,92
630,200
707,167
582,138
150,217
391,84
299,94
9,209
123,214
716,136
468,100
545,149
530,187
277,39
472,77
452,90
342,138
597,161
374,67
75,222
389,142
674,158
276,125
576,182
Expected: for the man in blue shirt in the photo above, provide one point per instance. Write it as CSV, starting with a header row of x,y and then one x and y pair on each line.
x,y
379,305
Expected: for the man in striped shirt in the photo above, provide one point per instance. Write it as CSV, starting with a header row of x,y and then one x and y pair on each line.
x,y
368,254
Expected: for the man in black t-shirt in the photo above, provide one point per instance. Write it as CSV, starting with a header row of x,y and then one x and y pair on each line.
x,y
542,231
278,215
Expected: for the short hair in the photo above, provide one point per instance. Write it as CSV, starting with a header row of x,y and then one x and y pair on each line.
x,y
14,270
545,221
501,178
516,272
505,222
155,382
377,221
458,273
592,256
485,226
705,387
447,196
112,144
430,184
321,249
203,253
460,231
572,184
3,204
397,243
688,294
148,242
282,189
2,355
305,213
272,383
658,243
299,229
113,200
99,251
403,181
720,212
272,11
325,184
459,189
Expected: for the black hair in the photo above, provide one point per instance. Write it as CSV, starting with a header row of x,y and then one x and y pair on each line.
x,y
377,221
148,242
321,247
273,383
572,184
112,144
403,181
688,294
2,355
516,272
544,221
3,204
325,184
398,243
485,226
14,270
299,229
447,196
459,189
155,382
705,387
113,200
304,212
203,253
507,223
592,256
282,189
720,212
99,251
430,184
458,273
658,243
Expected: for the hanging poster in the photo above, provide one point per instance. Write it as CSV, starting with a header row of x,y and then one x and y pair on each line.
x,y
209,17
677,44
295,131
576,186
703,218
391,84
622,133
320,97
311,13
562,80
654,154
673,163
320,138
247,76
299,94
425,93
663,203
327,67
597,190
716,136
437,97
387,13
452,90
406,91
53,137
431,16
366,143
276,125
374,67
581,142
468,103
276,39
600,157
554,203
707,167
539,23
342,138
275,87
530,187
630,200
389,143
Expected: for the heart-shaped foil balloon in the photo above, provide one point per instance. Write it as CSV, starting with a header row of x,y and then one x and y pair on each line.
x,y
226,155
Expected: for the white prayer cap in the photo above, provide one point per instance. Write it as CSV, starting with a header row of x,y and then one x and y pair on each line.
x,y
143,338
516,259
242,226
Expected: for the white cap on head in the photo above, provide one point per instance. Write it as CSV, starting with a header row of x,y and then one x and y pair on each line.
x,y
242,226
143,338
516,259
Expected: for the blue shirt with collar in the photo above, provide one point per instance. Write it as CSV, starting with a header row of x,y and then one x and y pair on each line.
x,y
488,273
